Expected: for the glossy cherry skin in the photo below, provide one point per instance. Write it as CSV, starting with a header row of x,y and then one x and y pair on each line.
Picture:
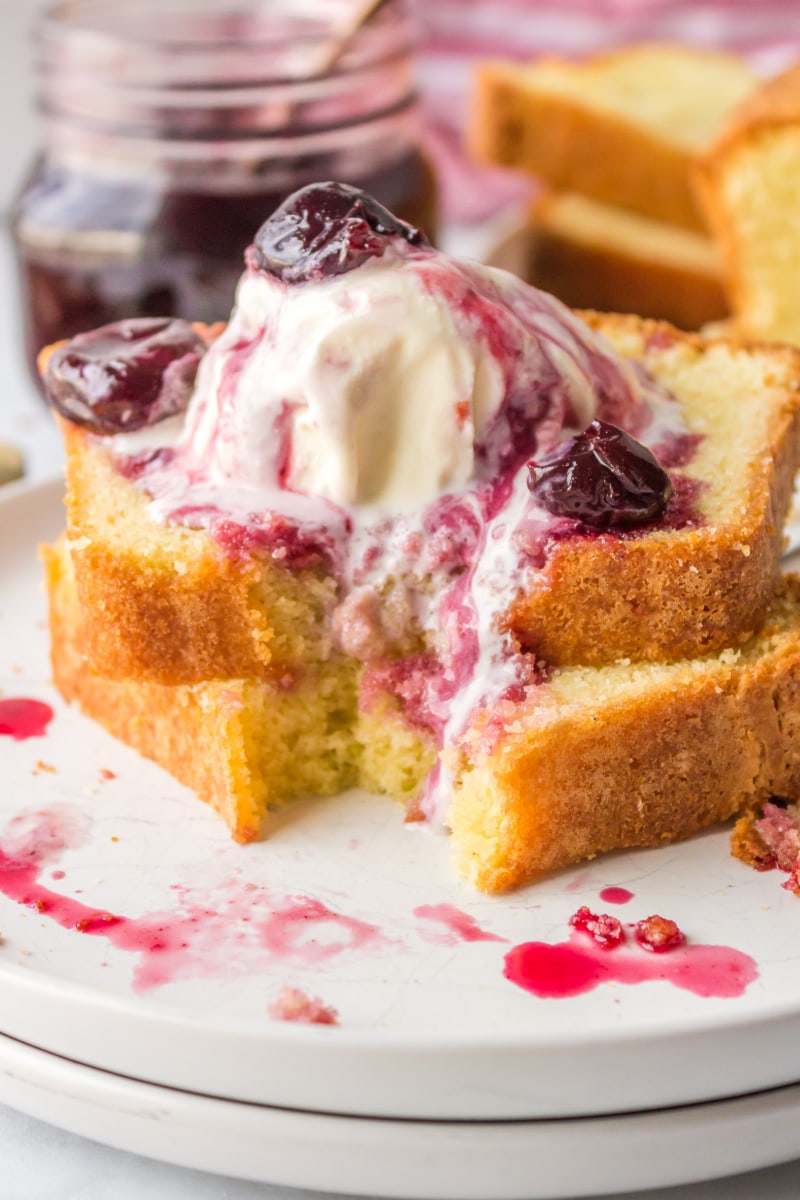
x,y
326,229
126,375
603,477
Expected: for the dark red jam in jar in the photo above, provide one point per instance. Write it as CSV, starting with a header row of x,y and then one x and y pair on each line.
x,y
173,128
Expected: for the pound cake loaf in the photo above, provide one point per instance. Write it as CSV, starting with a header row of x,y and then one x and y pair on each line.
x,y
622,127
748,180
595,256
600,759
431,501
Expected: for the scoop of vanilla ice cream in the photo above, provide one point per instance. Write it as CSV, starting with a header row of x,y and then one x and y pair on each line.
x,y
362,388
388,385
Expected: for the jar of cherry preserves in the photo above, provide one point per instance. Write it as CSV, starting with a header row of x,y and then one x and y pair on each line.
x,y
172,128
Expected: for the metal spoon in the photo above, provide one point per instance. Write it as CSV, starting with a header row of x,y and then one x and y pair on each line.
x,y
343,33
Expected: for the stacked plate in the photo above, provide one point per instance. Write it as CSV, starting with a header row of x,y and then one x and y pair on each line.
x,y
481,1047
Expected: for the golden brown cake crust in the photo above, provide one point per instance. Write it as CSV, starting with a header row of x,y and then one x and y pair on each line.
x,y
167,604
653,607
637,768
175,625
194,733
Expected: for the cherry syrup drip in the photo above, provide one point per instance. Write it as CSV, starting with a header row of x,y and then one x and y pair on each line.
x,y
285,931
457,926
247,929
579,965
616,895
200,940
21,719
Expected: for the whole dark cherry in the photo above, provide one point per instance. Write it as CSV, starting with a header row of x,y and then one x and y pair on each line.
x,y
603,477
126,375
326,229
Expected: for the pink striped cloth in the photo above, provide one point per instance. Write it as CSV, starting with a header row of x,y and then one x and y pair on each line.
x,y
458,33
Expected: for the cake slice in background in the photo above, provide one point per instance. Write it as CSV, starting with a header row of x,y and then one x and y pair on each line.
x,y
749,182
622,127
612,141
593,255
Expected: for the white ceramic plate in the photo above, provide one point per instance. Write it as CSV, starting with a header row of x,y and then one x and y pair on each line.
x,y
515,1160
345,902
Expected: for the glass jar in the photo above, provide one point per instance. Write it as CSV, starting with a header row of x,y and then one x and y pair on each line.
x,y
172,128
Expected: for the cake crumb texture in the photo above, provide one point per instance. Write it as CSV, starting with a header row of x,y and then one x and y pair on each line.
x,y
633,755
243,745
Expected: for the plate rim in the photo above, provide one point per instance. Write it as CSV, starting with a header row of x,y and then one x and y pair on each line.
x,y
390,1046
517,1160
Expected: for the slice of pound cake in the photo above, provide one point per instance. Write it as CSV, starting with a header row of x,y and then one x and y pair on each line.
x,y
593,255
748,181
372,531
622,127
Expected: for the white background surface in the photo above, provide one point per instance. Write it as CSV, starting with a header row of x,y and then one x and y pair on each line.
x,y
18,124
39,1162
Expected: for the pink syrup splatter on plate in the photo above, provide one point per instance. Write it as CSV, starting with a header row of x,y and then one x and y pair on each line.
x,y
242,931
307,927
556,971
21,719
580,881
457,926
616,895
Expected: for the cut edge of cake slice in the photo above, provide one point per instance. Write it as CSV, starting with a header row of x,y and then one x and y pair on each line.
x,y
682,592
167,603
244,745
